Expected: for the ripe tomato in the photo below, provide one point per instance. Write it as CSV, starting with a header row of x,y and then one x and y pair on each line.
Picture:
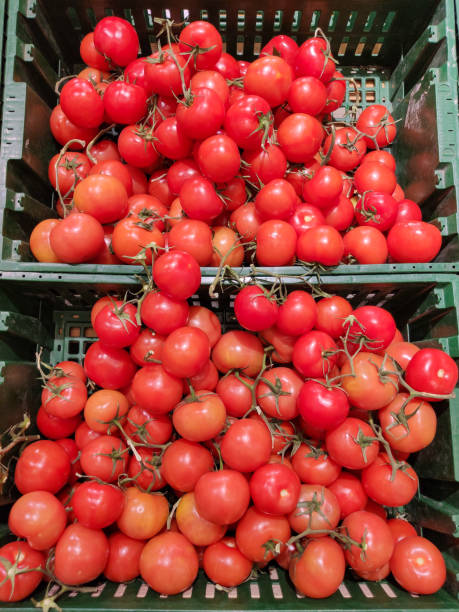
x,y
256,529
104,150
72,168
418,566
319,571
117,327
90,55
277,393
246,221
314,466
136,72
402,352
387,488
297,315
135,145
54,427
143,514
110,368
276,200
254,309
322,244
64,396
200,200
228,66
124,102
222,497
179,172
163,74
322,405
185,352
264,165
281,45
381,157
201,418
163,314
81,103
123,558
103,197
373,326
373,176
331,315
39,517
97,505
314,59
276,243
117,40
77,238
205,319
224,563
171,141
376,210
156,390
414,242
206,37
238,350
197,529
203,115
169,563
340,215
134,241
314,354
408,427
177,274
103,407
147,347
300,137
305,216
374,533
324,187
349,492
307,95
22,584
401,529
317,509
40,243
246,445
212,80
249,122
352,444
367,245
159,188
218,158
236,396
104,458
376,122
42,466
408,211
336,91
432,371
81,554
348,150
184,462
275,489
269,77
365,387
226,245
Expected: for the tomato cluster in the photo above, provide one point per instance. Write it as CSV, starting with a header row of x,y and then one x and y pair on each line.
x,y
221,158
288,442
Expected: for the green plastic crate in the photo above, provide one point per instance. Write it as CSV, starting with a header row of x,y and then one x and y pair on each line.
x,y
41,311
399,53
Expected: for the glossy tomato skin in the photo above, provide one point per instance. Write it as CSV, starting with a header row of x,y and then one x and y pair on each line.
x,y
265,164
313,354
282,402
110,368
205,319
343,448
143,514
321,244
155,390
373,176
77,239
349,492
376,324
23,584
169,563
117,328
377,210
204,116
185,352
387,489
97,505
276,243
269,77
184,462
246,445
408,426
206,36
321,405
418,566
104,458
376,122
378,538
332,313
307,95
163,74
163,314
314,466
432,371
366,389
218,158
54,427
222,497
116,39
123,558
254,310
42,466
347,151
224,563
366,244
247,120
177,274
81,554
239,350
81,103
276,200
320,569
401,529
275,489
125,103
297,315
313,59
255,528
300,137
200,419
281,45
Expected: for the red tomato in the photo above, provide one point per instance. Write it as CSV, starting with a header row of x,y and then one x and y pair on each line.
x,y
171,141
373,530
269,77
133,241
317,509
246,445
322,244
72,168
205,319
97,505
418,566
204,36
200,417
81,103
199,199
324,187
264,165
314,59
40,242
55,427
162,313
236,395
300,137
103,197
117,327
238,350
24,583
352,444
203,116
104,150
103,408
349,492
249,122
104,458
136,147
117,40
224,563
185,352
348,149
297,315
64,396
136,72
183,464
228,66
373,176
123,558
401,529
331,315
340,215
379,126
39,517
281,45
322,405
110,368
42,466
276,200
313,354
432,371
81,554
179,172
367,245
306,216
414,242
177,274
314,466
90,55
163,73
277,393
246,221
366,388
402,352
275,489
143,514
319,571
371,325
226,246
218,158
385,487
376,210
381,157
336,91
77,238
307,95
156,390
254,309
255,529
169,563
197,529
212,80
125,103
276,243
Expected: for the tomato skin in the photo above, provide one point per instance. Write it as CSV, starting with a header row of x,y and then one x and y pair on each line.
x,y
300,137
96,460
116,39
222,497
281,45
275,489
324,187
321,405
81,554
40,243
247,120
282,407
343,448
42,466
110,368
201,419
322,244
366,389
72,168
269,77
307,95
81,103
125,103
54,427
246,445
297,315
276,243
349,492
265,164
117,327
235,395
376,210
347,151
246,221
184,462
169,563
331,315
123,558
228,66
254,310
77,238
336,91
414,242
255,528
185,352
179,172
386,489
418,566
367,244
155,390
341,214
64,396
412,430
402,352
143,514
204,116
104,150
373,176
39,517
238,350
97,505
206,36
136,72
23,584
320,569
378,538
136,147
401,529
305,216
224,564
198,530
205,319
177,274
163,75
308,354
432,371
408,211
313,59
314,466
129,241
376,324
218,158
163,314
376,121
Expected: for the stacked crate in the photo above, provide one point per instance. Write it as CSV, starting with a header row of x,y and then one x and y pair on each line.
x,y
401,55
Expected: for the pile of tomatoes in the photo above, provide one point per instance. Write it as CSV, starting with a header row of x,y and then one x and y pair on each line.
x,y
221,158
178,446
